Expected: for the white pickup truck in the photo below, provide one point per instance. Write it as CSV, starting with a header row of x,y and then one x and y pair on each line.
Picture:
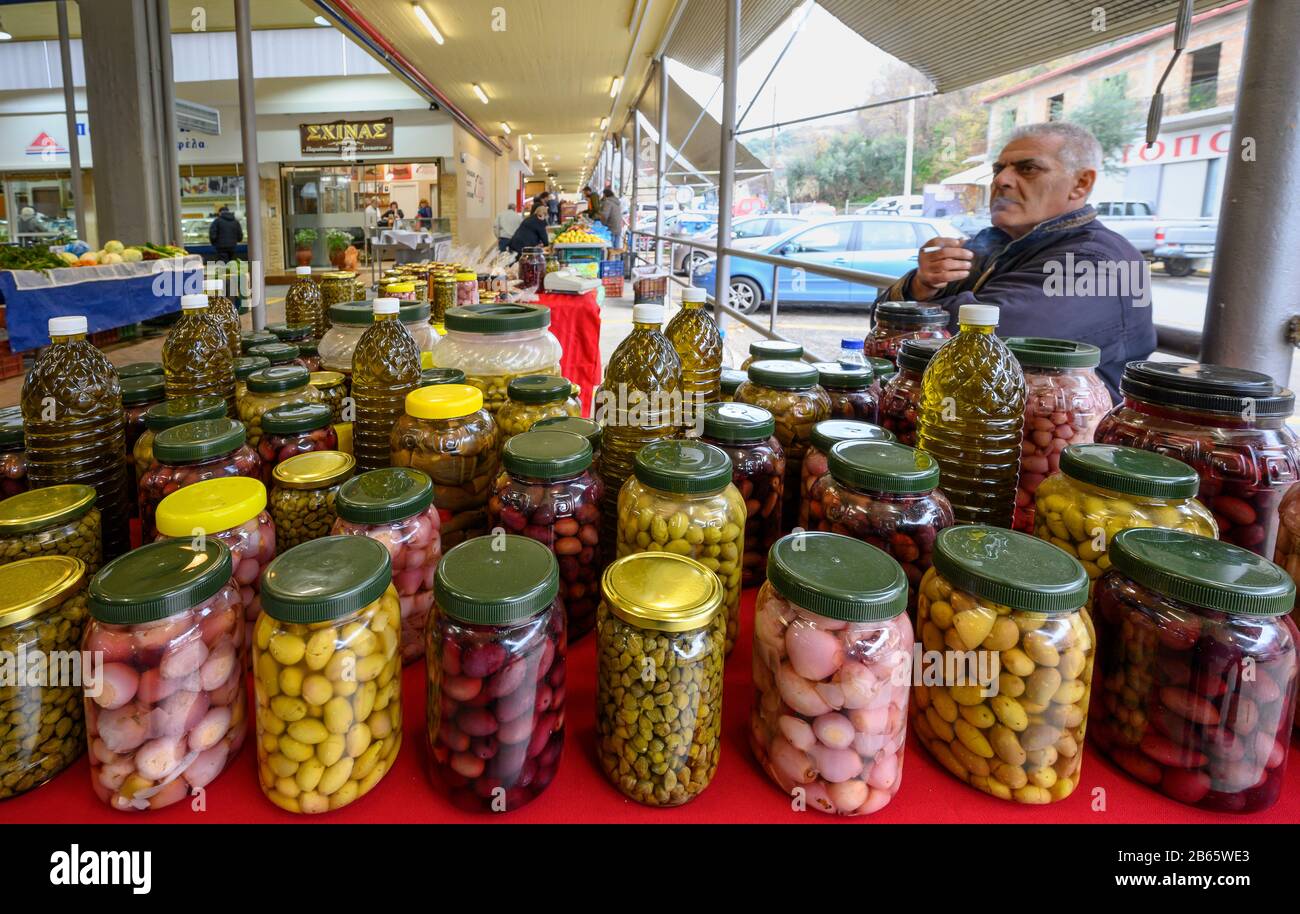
x,y
1136,221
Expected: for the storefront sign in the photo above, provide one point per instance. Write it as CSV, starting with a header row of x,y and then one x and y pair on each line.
x,y
1205,143
347,138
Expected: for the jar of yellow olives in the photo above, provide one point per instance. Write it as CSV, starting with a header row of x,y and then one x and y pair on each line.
x,y
535,397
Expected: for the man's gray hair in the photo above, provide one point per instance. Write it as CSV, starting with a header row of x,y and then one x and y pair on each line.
x,y
1079,148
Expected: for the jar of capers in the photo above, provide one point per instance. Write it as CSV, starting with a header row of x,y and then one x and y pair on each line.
x,y
333,389
535,397
55,520
303,492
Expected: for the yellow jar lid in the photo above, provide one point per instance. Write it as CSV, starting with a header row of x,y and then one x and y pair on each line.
x,y
466,277
325,378
444,401
37,509
399,286
314,471
662,591
28,587
212,505
426,359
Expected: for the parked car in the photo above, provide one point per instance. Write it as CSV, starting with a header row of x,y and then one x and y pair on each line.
x,y
1184,248
747,233
876,244
910,205
971,224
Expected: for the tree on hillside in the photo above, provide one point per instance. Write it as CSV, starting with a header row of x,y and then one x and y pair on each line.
x,y
1114,119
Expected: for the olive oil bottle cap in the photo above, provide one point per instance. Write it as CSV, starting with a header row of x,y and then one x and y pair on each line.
x,y
302,271
69,326
386,306
978,315
648,313
193,302
694,293
213,285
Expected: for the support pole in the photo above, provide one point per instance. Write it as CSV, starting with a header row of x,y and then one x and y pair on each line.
x,y
252,176
1255,269
911,147
661,158
167,123
70,106
631,219
727,163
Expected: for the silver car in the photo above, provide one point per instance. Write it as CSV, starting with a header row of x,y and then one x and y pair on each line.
x,y
747,233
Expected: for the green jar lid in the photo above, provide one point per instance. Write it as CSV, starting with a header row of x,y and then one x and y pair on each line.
x,y
884,466
1130,471
683,467
909,313
783,375
250,338
290,418
143,388
247,364
539,388
1201,571
735,422
882,367
494,581
37,509
200,440
278,378
731,379
775,349
494,318
1015,569
284,332
830,432
326,578
585,428
837,576
414,312
352,312
135,369
276,353
308,347
1200,386
914,355
179,410
11,428
1040,352
546,454
385,495
159,580
834,376
431,376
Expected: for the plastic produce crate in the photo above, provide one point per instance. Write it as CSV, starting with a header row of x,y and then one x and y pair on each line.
x,y
611,268
613,285
580,253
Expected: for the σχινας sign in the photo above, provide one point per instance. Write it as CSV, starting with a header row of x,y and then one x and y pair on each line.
x,y
347,137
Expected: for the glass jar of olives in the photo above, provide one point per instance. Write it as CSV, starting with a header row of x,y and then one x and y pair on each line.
x,y
745,434
169,414
496,673
816,463
245,365
583,428
447,433
190,453
778,350
272,387
278,353
680,500
432,376
293,429
1197,683
309,354
534,397
251,338
901,395
138,394
731,379
495,343
661,630
55,520
896,321
13,452
335,289
348,321
303,494
135,369
852,390
333,389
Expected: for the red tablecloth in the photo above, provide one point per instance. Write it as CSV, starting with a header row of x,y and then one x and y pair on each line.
x,y
575,321
740,792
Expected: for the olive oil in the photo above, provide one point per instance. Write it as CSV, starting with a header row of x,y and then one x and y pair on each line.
x,y
694,335
196,356
385,368
225,313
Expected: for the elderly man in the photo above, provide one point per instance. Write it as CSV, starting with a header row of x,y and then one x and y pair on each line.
x,y
1052,268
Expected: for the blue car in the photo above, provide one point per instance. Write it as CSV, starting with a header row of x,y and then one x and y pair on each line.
x,y
876,244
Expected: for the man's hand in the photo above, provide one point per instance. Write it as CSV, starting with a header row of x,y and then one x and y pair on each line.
x,y
940,261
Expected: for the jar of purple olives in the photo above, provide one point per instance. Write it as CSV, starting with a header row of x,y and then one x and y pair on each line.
x,y
1197,678
896,321
550,494
496,672
293,429
852,390
825,435
13,452
902,393
746,434
190,453
584,428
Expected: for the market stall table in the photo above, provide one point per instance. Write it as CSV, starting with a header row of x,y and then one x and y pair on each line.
x,y
575,321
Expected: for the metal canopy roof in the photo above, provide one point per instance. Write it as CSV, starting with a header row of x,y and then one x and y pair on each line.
x,y
697,40
703,150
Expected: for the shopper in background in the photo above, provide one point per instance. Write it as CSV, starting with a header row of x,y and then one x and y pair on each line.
x,y
611,214
531,232
505,224
553,209
542,199
424,215
371,222
225,234
391,216
593,203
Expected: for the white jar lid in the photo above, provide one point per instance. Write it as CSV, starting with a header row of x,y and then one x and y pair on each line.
x,y
191,302
979,315
647,313
67,326
302,271
694,293
387,306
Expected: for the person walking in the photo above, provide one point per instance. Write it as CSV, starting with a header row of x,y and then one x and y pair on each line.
x,y
611,215
224,234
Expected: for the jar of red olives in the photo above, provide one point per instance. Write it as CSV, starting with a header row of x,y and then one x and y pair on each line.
x,y
13,452
496,673
1065,402
852,390
1197,683
169,414
309,354
825,435
896,321
902,393
583,428
779,350
745,434
1228,424
292,429
138,394
190,453
279,354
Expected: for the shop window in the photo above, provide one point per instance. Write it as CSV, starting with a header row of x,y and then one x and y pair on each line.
x,y
204,191
1056,107
1203,91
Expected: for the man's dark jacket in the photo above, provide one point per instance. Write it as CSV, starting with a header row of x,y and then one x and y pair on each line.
x,y
225,232
531,232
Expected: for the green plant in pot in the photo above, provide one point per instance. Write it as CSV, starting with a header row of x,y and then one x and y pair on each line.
x,y
303,239
337,242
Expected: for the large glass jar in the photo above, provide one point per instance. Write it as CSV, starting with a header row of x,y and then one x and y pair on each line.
x,y
233,510
1065,400
832,670
731,379
293,429
901,396
327,673
532,268
333,388
1197,684
745,434
1102,489
896,321
415,317
431,376
443,299
303,494
493,344
534,397
395,507
1013,729
583,428
772,350
853,391
42,614
348,321
497,673
54,520
885,494
681,500
1229,425
170,712
190,453
549,493
660,630
272,387
169,414
447,433
309,354
13,452
279,354
790,392
245,365
335,289
138,394
816,462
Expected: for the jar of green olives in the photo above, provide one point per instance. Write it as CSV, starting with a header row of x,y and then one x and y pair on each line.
x,y
55,520
534,397
661,636
745,434
169,414
333,388
272,387
245,365
303,492
42,613
680,499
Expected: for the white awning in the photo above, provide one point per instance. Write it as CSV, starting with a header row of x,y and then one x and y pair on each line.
x,y
981,174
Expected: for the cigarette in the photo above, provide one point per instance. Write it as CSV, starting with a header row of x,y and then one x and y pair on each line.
x,y
931,249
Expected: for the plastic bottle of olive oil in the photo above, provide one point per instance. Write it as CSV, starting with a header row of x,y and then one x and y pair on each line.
x,y
196,355
303,306
694,334
226,314
971,411
385,368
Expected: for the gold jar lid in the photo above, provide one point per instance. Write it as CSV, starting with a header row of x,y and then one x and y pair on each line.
x,y
662,591
324,379
317,470
37,509
28,587
339,274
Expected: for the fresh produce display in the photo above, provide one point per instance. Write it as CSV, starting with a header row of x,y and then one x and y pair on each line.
x,y
901,396
190,453
578,235
303,494
293,429
532,398
816,463
13,452
832,650
895,322
79,254
745,434
55,520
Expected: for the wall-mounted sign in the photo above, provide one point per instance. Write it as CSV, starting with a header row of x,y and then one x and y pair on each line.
x,y
347,138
